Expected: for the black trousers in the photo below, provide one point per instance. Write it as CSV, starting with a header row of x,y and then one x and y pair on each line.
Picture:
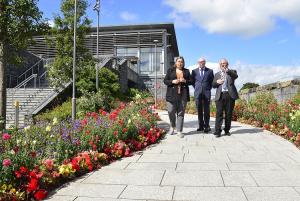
x,y
203,109
224,104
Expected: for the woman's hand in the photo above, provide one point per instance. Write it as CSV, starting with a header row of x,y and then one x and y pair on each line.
x,y
175,81
182,80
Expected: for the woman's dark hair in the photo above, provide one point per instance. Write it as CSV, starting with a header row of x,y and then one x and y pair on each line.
x,y
180,57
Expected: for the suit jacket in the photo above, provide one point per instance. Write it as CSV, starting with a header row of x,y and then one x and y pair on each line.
x,y
202,85
171,94
231,76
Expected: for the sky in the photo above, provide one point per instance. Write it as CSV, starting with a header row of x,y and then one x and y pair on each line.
x,y
261,39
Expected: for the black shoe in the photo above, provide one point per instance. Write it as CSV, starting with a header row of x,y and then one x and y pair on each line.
x,y
227,133
200,129
206,130
217,134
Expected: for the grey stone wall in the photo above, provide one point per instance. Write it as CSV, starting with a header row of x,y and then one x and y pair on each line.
x,y
282,91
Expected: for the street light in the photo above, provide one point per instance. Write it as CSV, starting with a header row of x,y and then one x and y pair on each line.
x,y
74,64
97,9
155,66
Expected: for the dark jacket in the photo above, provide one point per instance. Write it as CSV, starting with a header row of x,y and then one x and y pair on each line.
x,y
171,94
202,85
231,76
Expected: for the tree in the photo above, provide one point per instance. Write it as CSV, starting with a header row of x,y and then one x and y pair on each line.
x,y
60,72
249,85
19,20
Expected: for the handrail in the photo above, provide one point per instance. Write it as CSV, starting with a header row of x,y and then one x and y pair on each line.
x,y
42,75
30,69
33,76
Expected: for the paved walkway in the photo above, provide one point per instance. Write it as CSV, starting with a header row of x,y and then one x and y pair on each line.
x,y
251,164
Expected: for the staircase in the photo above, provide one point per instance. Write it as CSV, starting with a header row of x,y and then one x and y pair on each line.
x,y
29,99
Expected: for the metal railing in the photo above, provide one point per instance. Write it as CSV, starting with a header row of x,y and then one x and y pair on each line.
x,y
34,69
24,82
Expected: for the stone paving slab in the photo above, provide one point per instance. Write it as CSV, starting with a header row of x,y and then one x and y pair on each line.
x,y
271,194
250,165
192,178
160,158
209,194
201,166
255,166
151,166
91,190
237,178
276,178
148,192
126,177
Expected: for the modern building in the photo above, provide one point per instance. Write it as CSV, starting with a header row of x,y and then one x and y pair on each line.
x,y
128,49
134,43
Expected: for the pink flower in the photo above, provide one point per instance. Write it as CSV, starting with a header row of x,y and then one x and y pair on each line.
x,y
6,162
6,136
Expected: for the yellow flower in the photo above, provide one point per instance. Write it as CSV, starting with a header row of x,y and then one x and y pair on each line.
x,y
48,128
55,121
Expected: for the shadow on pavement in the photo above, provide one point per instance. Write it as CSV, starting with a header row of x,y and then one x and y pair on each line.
x,y
248,131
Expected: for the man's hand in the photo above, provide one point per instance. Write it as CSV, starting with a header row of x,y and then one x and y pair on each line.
x,y
220,81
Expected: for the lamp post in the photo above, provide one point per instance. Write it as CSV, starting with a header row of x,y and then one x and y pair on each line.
x,y
97,9
155,66
74,64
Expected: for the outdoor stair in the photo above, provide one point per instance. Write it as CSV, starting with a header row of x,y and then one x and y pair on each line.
x,y
29,100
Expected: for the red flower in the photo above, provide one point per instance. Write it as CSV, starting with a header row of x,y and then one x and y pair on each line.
x,y
33,185
125,130
18,174
40,194
94,147
23,170
87,132
115,133
6,136
32,154
75,165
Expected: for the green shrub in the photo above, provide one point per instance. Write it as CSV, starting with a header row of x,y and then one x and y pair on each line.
x,y
61,112
92,102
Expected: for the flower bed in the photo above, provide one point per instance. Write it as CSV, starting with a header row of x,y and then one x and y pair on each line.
x,y
46,155
264,111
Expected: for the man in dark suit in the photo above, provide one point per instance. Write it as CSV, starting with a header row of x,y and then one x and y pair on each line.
x,y
202,81
226,95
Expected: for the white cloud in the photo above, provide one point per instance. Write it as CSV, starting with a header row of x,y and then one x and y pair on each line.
x,y
127,16
182,21
244,18
51,23
257,73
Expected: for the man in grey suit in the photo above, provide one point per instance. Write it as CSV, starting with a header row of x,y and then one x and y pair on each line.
x,y
202,78
226,95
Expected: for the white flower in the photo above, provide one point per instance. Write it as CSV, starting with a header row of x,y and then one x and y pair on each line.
x,y
26,128
34,142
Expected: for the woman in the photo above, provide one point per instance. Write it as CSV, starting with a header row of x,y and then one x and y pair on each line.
x,y
177,79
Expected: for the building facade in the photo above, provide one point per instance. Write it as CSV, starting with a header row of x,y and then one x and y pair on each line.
x,y
151,47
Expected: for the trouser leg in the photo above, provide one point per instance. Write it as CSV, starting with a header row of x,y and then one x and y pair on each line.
x,y
171,107
206,104
219,115
199,106
229,106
